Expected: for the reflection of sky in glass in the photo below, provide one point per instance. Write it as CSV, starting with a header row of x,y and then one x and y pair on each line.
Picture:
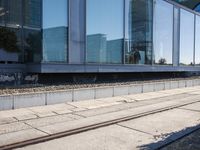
x,y
186,37
163,31
54,13
105,17
197,46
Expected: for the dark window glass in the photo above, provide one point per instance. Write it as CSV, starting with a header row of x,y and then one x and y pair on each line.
x,y
163,33
105,31
32,30
139,24
11,47
55,30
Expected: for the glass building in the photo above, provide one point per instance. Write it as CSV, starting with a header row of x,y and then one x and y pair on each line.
x,y
61,36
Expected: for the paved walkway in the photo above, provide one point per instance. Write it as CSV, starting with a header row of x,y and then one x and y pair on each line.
x,y
145,132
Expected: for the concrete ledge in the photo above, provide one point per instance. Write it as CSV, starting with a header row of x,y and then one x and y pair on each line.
x,y
167,85
58,97
6,102
196,82
104,92
121,90
174,84
83,94
189,83
135,89
148,87
29,100
181,84
159,86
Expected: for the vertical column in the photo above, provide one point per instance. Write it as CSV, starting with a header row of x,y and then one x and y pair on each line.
x,y
77,31
176,36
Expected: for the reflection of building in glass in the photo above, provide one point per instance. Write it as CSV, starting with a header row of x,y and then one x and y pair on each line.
x,y
55,44
33,14
96,48
105,32
23,19
114,51
139,34
101,50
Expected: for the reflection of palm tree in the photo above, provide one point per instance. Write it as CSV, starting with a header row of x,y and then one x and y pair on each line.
x,y
8,40
162,61
33,45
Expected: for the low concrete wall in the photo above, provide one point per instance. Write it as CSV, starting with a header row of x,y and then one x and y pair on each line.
x,y
104,92
46,98
59,97
148,87
135,89
29,100
121,90
6,102
83,94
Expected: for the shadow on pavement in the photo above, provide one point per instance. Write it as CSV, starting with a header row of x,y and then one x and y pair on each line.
x,y
189,142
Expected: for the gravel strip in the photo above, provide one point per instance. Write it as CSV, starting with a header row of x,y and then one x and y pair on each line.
x,y
65,86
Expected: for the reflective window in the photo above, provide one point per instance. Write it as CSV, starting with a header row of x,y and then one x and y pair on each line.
x,y
32,30
104,31
139,24
186,38
163,33
11,47
33,13
197,41
197,8
55,30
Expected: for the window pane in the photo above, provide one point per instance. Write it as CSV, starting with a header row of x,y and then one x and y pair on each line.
x,y
11,47
197,41
139,24
163,33
186,38
32,30
104,31
55,30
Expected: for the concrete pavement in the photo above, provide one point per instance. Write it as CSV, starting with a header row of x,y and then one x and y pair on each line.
x,y
24,124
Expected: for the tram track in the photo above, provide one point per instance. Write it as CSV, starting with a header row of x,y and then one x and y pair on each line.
x,y
93,126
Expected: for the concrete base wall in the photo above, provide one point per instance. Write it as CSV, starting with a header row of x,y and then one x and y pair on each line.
x,y
16,101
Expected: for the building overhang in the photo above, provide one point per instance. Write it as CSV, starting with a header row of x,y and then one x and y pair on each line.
x,y
95,68
188,3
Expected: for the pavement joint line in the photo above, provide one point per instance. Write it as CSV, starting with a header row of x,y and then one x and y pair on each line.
x,y
36,128
79,115
142,104
76,115
72,105
133,129
16,131
90,127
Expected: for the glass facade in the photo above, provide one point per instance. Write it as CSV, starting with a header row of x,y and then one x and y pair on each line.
x,y
163,33
104,31
129,32
197,41
186,38
138,31
55,30
11,48
20,31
